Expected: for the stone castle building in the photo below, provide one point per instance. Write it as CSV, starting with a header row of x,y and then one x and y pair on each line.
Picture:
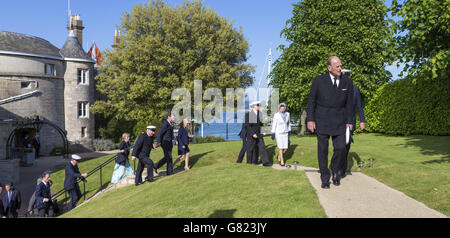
x,y
39,79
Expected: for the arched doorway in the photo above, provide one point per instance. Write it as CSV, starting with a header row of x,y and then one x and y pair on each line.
x,y
30,125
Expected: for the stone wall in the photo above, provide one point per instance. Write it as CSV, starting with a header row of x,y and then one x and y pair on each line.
x,y
9,171
73,94
5,130
48,104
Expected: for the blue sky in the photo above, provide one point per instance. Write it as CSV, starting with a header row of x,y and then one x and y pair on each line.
x,y
261,21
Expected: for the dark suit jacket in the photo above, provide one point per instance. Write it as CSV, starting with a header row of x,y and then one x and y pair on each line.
x,y
2,210
357,103
166,132
122,157
330,107
72,173
243,132
143,145
36,143
43,191
183,137
16,200
254,124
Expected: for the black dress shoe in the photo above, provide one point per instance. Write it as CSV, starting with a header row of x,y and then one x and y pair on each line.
x,y
336,179
267,165
325,185
137,184
151,180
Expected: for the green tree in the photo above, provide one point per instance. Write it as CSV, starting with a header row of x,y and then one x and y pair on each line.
x,y
423,36
162,48
357,32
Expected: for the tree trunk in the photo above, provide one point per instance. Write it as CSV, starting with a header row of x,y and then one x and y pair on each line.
x,y
303,122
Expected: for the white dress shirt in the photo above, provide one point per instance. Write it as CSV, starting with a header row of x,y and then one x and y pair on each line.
x,y
332,80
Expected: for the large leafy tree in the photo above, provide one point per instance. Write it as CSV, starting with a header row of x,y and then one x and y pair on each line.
x,y
162,48
423,36
357,32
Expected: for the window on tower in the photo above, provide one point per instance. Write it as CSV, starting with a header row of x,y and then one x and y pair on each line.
x,y
82,76
83,131
82,109
50,69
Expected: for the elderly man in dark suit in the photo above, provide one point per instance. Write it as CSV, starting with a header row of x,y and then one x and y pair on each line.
x,y
329,113
70,181
357,104
165,139
11,200
44,203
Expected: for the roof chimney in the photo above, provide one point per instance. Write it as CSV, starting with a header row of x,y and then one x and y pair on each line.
x,y
76,24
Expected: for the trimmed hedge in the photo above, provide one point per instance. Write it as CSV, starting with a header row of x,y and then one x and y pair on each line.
x,y
207,139
406,107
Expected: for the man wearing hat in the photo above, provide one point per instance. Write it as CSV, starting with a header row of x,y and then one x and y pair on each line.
x,y
254,136
141,150
70,181
243,135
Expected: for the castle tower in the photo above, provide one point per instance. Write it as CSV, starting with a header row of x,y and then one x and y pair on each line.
x,y
78,92
76,25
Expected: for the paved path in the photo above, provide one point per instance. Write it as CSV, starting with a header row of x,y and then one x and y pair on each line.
x,y
361,196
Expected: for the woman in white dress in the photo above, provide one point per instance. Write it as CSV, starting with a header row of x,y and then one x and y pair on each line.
x,y
281,127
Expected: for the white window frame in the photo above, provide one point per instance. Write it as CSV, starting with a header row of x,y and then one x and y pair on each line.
x,y
82,110
82,79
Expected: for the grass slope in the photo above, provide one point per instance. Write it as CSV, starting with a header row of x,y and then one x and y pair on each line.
x,y
221,190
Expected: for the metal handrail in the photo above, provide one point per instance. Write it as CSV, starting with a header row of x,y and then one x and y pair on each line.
x,y
100,167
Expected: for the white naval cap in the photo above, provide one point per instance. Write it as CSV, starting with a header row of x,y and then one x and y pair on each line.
x,y
346,71
76,157
151,128
255,103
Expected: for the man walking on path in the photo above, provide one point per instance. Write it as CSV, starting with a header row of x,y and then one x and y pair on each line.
x,y
329,113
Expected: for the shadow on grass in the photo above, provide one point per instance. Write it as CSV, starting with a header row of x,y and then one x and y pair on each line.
x,y
429,145
289,153
352,156
223,214
193,159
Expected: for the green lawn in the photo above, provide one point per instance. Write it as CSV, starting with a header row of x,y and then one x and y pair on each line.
x,y
416,165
